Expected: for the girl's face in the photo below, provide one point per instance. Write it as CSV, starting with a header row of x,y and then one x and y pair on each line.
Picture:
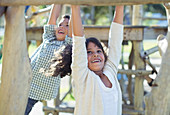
x,y
62,30
95,57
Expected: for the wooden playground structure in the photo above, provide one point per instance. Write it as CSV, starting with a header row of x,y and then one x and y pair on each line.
x,y
16,70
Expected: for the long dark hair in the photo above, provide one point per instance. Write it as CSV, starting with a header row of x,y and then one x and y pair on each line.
x,y
61,63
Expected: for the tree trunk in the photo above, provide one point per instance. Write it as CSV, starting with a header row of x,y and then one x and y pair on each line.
x,y
16,70
158,101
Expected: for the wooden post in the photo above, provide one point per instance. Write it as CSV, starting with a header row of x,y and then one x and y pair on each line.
x,y
16,70
157,102
137,15
45,105
57,102
130,83
139,64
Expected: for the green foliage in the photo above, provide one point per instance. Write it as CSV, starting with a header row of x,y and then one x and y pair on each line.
x,y
101,15
102,21
42,6
147,44
104,14
150,22
69,97
154,8
32,47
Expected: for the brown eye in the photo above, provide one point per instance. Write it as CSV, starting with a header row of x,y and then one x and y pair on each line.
x,y
89,52
99,51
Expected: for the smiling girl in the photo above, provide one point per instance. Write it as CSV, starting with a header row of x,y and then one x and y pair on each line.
x,y
95,85
54,37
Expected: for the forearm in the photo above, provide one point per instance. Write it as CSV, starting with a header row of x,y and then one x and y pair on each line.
x,y
115,41
54,14
76,19
118,16
116,36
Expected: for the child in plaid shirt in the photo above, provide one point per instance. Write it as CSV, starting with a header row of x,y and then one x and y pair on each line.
x,y
43,87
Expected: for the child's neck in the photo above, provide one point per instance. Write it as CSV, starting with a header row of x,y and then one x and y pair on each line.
x,y
104,79
99,73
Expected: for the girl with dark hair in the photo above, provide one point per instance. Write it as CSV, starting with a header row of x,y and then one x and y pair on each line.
x,y
95,85
54,37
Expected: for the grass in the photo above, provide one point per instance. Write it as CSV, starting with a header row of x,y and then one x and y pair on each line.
x,y
69,97
32,47
150,44
147,44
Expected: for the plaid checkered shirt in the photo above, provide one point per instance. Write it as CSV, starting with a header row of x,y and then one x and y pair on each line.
x,y
43,87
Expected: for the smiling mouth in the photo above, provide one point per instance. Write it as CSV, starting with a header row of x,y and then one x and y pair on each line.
x,y
60,32
96,61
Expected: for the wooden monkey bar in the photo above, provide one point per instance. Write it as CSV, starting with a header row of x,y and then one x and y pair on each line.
x,y
128,110
82,2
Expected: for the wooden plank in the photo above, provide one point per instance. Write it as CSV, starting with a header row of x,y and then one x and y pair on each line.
x,y
129,110
59,109
82,2
135,33
101,32
139,73
34,33
153,32
139,65
16,70
126,110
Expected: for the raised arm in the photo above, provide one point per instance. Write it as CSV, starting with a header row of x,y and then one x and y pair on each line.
x,y
116,37
54,14
118,16
79,54
77,23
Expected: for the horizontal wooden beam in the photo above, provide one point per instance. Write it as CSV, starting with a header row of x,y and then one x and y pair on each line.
x,y
59,109
135,72
82,2
101,32
126,110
